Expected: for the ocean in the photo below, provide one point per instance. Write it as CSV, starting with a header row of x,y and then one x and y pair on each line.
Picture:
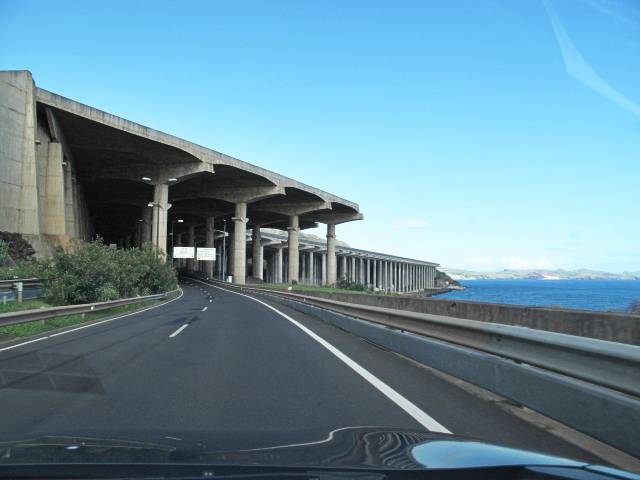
x,y
604,295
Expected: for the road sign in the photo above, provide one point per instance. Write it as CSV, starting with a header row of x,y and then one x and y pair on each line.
x,y
206,253
183,252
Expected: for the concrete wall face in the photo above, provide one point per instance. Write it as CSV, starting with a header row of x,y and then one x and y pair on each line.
x,y
18,183
40,198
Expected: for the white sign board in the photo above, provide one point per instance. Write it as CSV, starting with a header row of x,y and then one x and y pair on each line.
x,y
183,252
206,253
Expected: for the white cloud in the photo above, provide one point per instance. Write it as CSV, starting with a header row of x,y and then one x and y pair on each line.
x,y
410,223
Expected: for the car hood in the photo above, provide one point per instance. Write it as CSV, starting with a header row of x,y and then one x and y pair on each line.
x,y
362,447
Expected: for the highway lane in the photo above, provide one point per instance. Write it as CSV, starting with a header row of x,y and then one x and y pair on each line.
x,y
224,371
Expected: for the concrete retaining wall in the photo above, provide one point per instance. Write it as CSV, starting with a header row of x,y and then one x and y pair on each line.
x,y
612,327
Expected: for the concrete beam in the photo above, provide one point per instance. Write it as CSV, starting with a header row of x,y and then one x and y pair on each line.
x,y
292,208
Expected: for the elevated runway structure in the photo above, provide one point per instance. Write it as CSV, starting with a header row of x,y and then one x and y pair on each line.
x,y
70,171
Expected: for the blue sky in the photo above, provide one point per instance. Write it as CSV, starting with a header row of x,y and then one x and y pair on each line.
x,y
477,134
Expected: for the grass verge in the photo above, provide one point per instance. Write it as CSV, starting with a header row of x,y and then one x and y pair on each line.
x,y
25,305
40,326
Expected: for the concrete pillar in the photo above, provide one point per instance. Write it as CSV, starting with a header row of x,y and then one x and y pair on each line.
x,y
332,273
410,281
343,261
278,266
293,257
303,268
403,276
394,277
375,274
239,242
257,253
285,268
159,219
367,274
312,276
323,266
147,221
53,205
209,236
385,276
191,242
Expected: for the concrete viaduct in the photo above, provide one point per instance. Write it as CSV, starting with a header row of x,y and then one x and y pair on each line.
x,y
72,172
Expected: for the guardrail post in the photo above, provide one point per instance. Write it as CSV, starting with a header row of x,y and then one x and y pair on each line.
x,y
18,286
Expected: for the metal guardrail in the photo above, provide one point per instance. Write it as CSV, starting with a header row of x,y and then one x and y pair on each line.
x,y
608,364
26,316
27,282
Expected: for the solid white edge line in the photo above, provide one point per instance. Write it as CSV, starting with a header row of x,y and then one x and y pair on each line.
x,y
405,404
177,332
93,324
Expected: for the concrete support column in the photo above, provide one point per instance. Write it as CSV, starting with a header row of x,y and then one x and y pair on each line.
x,y
239,244
323,266
159,219
209,243
387,275
278,266
147,221
312,277
375,274
411,272
257,253
367,273
383,280
343,261
303,268
403,276
394,272
191,242
332,273
285,267
294,252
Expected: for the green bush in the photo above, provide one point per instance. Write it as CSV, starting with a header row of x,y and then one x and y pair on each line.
x,y
349,285
4,252
25,269
106,293
93,272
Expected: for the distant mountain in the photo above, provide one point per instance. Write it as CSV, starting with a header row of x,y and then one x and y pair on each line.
x,y
540,274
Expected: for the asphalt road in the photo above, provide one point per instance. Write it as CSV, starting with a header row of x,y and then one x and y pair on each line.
x,y
220,370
